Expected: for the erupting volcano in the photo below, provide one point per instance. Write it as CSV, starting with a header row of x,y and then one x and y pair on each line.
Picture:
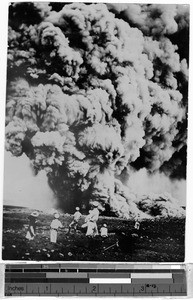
x,y
96,94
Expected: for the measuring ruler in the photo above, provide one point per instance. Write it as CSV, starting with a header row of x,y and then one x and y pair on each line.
x,y
95,280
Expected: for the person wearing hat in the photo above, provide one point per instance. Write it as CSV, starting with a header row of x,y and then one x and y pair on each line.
x,y
104,231
76,217
32,225
92,229
54,227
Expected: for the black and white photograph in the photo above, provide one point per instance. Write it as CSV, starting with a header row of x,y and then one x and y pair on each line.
x,y
96,122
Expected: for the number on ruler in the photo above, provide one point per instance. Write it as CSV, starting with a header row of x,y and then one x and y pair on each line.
x,y
94,289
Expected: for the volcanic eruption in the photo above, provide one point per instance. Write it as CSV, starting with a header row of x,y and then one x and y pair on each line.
x,y
97,93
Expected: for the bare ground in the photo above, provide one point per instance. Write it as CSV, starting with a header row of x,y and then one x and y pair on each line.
x,y
159,240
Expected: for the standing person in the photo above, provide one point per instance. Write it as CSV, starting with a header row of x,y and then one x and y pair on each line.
x,y
32,225
76,217
89,224
87,219
104,231
92,229
137,223
54,226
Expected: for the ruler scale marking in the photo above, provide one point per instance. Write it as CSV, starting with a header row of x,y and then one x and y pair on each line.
x,y
79,279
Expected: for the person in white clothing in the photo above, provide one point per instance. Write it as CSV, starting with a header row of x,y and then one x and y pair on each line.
x,y
87,219
137,223
54,226
76,217
92,229
31,232
104,231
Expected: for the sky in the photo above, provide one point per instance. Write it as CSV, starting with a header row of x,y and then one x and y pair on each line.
x,y
22,187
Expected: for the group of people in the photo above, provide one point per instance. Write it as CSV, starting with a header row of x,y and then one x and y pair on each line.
x,y
91,221
90,224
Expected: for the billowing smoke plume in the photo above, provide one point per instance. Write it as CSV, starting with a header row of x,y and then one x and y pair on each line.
x,y
97,92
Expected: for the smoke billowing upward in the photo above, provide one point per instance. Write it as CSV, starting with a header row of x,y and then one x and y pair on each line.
x,y
96,92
